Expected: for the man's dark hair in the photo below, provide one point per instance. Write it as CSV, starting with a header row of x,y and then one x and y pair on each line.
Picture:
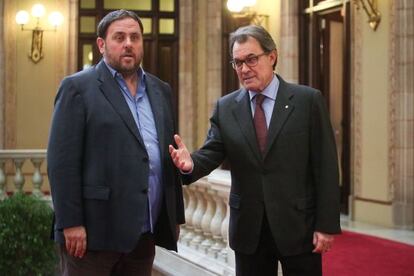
x,y
114,16
257,32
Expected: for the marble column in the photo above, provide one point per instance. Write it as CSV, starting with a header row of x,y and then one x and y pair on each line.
x,y
187,72
402,112
214,34
288,46
200,67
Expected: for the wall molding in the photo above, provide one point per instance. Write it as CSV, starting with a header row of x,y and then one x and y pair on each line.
x,y
356,101
391,102
10,97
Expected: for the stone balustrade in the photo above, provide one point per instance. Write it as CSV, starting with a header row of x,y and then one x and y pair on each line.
x,y
203,245
13,177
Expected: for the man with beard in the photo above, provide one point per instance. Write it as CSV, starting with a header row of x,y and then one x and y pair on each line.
x,y
116,192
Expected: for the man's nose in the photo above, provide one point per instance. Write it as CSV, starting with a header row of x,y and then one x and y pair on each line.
x,y
244,67
128,42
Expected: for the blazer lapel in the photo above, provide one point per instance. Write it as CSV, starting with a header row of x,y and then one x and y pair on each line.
x,y
281,111
155,98
112,92
243,114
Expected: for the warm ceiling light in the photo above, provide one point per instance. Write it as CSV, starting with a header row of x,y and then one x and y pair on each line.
x,y
234,6
38,10
22,17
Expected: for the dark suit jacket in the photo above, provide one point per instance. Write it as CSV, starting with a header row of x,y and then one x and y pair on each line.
x,y
98,165
295,183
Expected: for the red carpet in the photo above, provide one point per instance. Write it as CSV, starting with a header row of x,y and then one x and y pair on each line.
x,y
362,255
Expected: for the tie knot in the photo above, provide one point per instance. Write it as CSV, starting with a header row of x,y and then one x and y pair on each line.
x,y
259,99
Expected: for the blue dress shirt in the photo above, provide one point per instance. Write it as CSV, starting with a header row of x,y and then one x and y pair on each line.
x,y
141,111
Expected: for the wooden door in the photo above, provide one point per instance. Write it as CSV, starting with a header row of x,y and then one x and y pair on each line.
x,y
325,60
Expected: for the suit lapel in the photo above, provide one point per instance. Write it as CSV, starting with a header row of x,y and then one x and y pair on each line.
x,y
243,114
281,111
155,98
112,93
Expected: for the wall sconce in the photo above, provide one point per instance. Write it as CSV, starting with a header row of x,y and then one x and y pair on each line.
x,y
371,9
38,10
243,9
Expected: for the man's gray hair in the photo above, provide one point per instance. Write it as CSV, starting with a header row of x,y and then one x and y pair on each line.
x,y
257,32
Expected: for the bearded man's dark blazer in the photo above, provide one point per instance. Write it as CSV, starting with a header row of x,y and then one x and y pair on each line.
x,y
98,166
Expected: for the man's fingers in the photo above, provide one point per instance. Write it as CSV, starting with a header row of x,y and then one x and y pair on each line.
x,y
322,247
322,242
178,141
69,246
75,240
318,248
174,157
180,156
171,149
80,248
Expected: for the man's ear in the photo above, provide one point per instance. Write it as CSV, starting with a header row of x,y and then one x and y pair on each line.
x,y
273,56
100,42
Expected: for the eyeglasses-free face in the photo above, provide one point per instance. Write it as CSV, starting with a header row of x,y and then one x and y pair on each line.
x,y
123,46
250,61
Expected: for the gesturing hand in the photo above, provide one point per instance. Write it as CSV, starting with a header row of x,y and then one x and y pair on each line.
x,y
75,238
181,156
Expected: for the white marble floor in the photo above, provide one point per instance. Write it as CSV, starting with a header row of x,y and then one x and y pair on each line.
x,y
404,236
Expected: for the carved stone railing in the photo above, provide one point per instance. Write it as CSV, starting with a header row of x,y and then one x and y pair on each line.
x,y
203,246
20,167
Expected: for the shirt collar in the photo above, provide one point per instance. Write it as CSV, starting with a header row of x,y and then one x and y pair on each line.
x,y
270,91
114,73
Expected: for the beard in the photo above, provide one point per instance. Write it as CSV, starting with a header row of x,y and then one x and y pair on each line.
x,y
123,67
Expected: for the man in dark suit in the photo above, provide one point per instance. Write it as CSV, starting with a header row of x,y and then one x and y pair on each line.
x,y
277,137
115,190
